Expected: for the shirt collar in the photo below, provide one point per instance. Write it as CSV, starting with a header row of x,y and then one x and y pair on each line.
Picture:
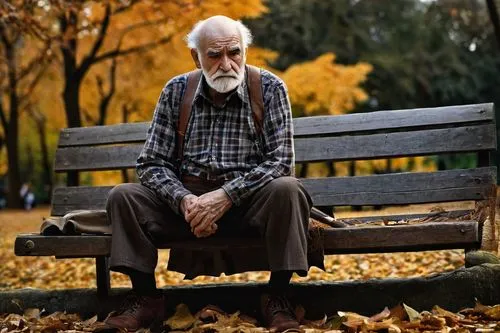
x,y
241,91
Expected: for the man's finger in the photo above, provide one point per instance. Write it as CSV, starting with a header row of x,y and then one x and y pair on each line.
x,y
192,214
196,220
204,225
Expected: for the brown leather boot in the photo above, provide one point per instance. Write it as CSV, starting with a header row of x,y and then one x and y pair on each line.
x,y
137,312
278,313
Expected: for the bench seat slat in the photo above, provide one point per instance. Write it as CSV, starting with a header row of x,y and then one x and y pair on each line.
x,y
397,188
355,239
304,126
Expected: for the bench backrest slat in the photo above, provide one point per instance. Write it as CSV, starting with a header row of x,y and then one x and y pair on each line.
x,y
342,148
458,115
397,188
307,126
101,135
398,144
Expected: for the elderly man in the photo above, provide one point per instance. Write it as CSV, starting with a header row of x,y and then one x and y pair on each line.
x,y
227,174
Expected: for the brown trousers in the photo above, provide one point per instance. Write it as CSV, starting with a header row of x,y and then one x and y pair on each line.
x,y
141,221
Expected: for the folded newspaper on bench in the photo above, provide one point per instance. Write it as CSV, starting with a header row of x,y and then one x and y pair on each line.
x,y
77,222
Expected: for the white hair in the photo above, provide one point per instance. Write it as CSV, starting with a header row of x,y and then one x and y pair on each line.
x,y
193,37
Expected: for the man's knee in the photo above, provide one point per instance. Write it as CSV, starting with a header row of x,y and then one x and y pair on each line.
x,y
284,186
120,193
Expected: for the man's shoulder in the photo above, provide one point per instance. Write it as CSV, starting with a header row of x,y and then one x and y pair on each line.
x,y
271,85
270,79
177,82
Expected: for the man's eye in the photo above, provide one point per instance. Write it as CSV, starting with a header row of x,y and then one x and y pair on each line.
x,y
235,52
213,55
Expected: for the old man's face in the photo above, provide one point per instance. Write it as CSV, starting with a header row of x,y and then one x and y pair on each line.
x,y
222,59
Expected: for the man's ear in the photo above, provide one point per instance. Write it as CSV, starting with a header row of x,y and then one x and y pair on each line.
x,y
194,54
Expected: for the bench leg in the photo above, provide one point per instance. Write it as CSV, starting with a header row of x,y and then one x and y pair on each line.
x,y
102,274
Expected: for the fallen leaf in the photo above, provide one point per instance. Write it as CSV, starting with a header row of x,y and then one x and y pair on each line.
x,y
32,313
380,316
412,313
493,312
89,322
182,319
398,312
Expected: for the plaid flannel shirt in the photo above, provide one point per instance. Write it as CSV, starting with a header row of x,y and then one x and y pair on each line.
x,y
221,143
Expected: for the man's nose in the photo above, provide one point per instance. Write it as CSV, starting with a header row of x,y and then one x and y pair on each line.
x,y
225,65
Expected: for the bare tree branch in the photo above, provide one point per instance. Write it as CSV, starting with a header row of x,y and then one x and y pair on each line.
x,y
106,97
494,17
88,60
3,118
142,25
3,35
41,59
88,117
135,49
33,84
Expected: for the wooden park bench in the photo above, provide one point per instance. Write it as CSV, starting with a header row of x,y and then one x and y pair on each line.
x,y
365,136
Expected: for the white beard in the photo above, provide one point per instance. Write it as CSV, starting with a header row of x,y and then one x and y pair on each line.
x,y
223,82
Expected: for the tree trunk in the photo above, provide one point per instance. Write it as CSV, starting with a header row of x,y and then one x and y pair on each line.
x,y
40,122
12,130
13,174
71,98
72,80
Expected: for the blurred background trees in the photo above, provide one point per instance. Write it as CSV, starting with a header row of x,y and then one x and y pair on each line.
x,y
66,63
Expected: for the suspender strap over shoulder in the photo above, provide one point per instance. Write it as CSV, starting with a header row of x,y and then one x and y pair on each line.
x,y
193,79
256,99
187,104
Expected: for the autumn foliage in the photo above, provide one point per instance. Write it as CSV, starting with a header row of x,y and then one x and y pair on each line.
x,y
106,62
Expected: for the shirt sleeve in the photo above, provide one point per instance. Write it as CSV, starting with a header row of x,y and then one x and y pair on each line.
x,y
279,155
157,164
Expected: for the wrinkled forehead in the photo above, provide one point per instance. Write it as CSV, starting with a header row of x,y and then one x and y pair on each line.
x,y
220,36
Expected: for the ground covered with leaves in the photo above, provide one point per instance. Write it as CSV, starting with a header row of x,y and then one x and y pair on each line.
x,y
49,273
210,319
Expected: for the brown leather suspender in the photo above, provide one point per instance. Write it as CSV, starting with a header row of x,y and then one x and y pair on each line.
x,y
186,106
193,79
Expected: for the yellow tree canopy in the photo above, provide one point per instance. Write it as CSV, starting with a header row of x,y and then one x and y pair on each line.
x,y
322,87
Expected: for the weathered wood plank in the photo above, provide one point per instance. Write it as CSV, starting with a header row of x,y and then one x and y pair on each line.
x,y
449,140
425,142
398,188
98,135
398,119
402,188
385,239
451,215
320,125
425,236
400,198
66,199
96,158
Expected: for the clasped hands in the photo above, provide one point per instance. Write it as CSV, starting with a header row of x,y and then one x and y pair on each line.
x,y
201,212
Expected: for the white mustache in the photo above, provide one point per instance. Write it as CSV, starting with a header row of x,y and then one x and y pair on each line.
x,y
219,75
